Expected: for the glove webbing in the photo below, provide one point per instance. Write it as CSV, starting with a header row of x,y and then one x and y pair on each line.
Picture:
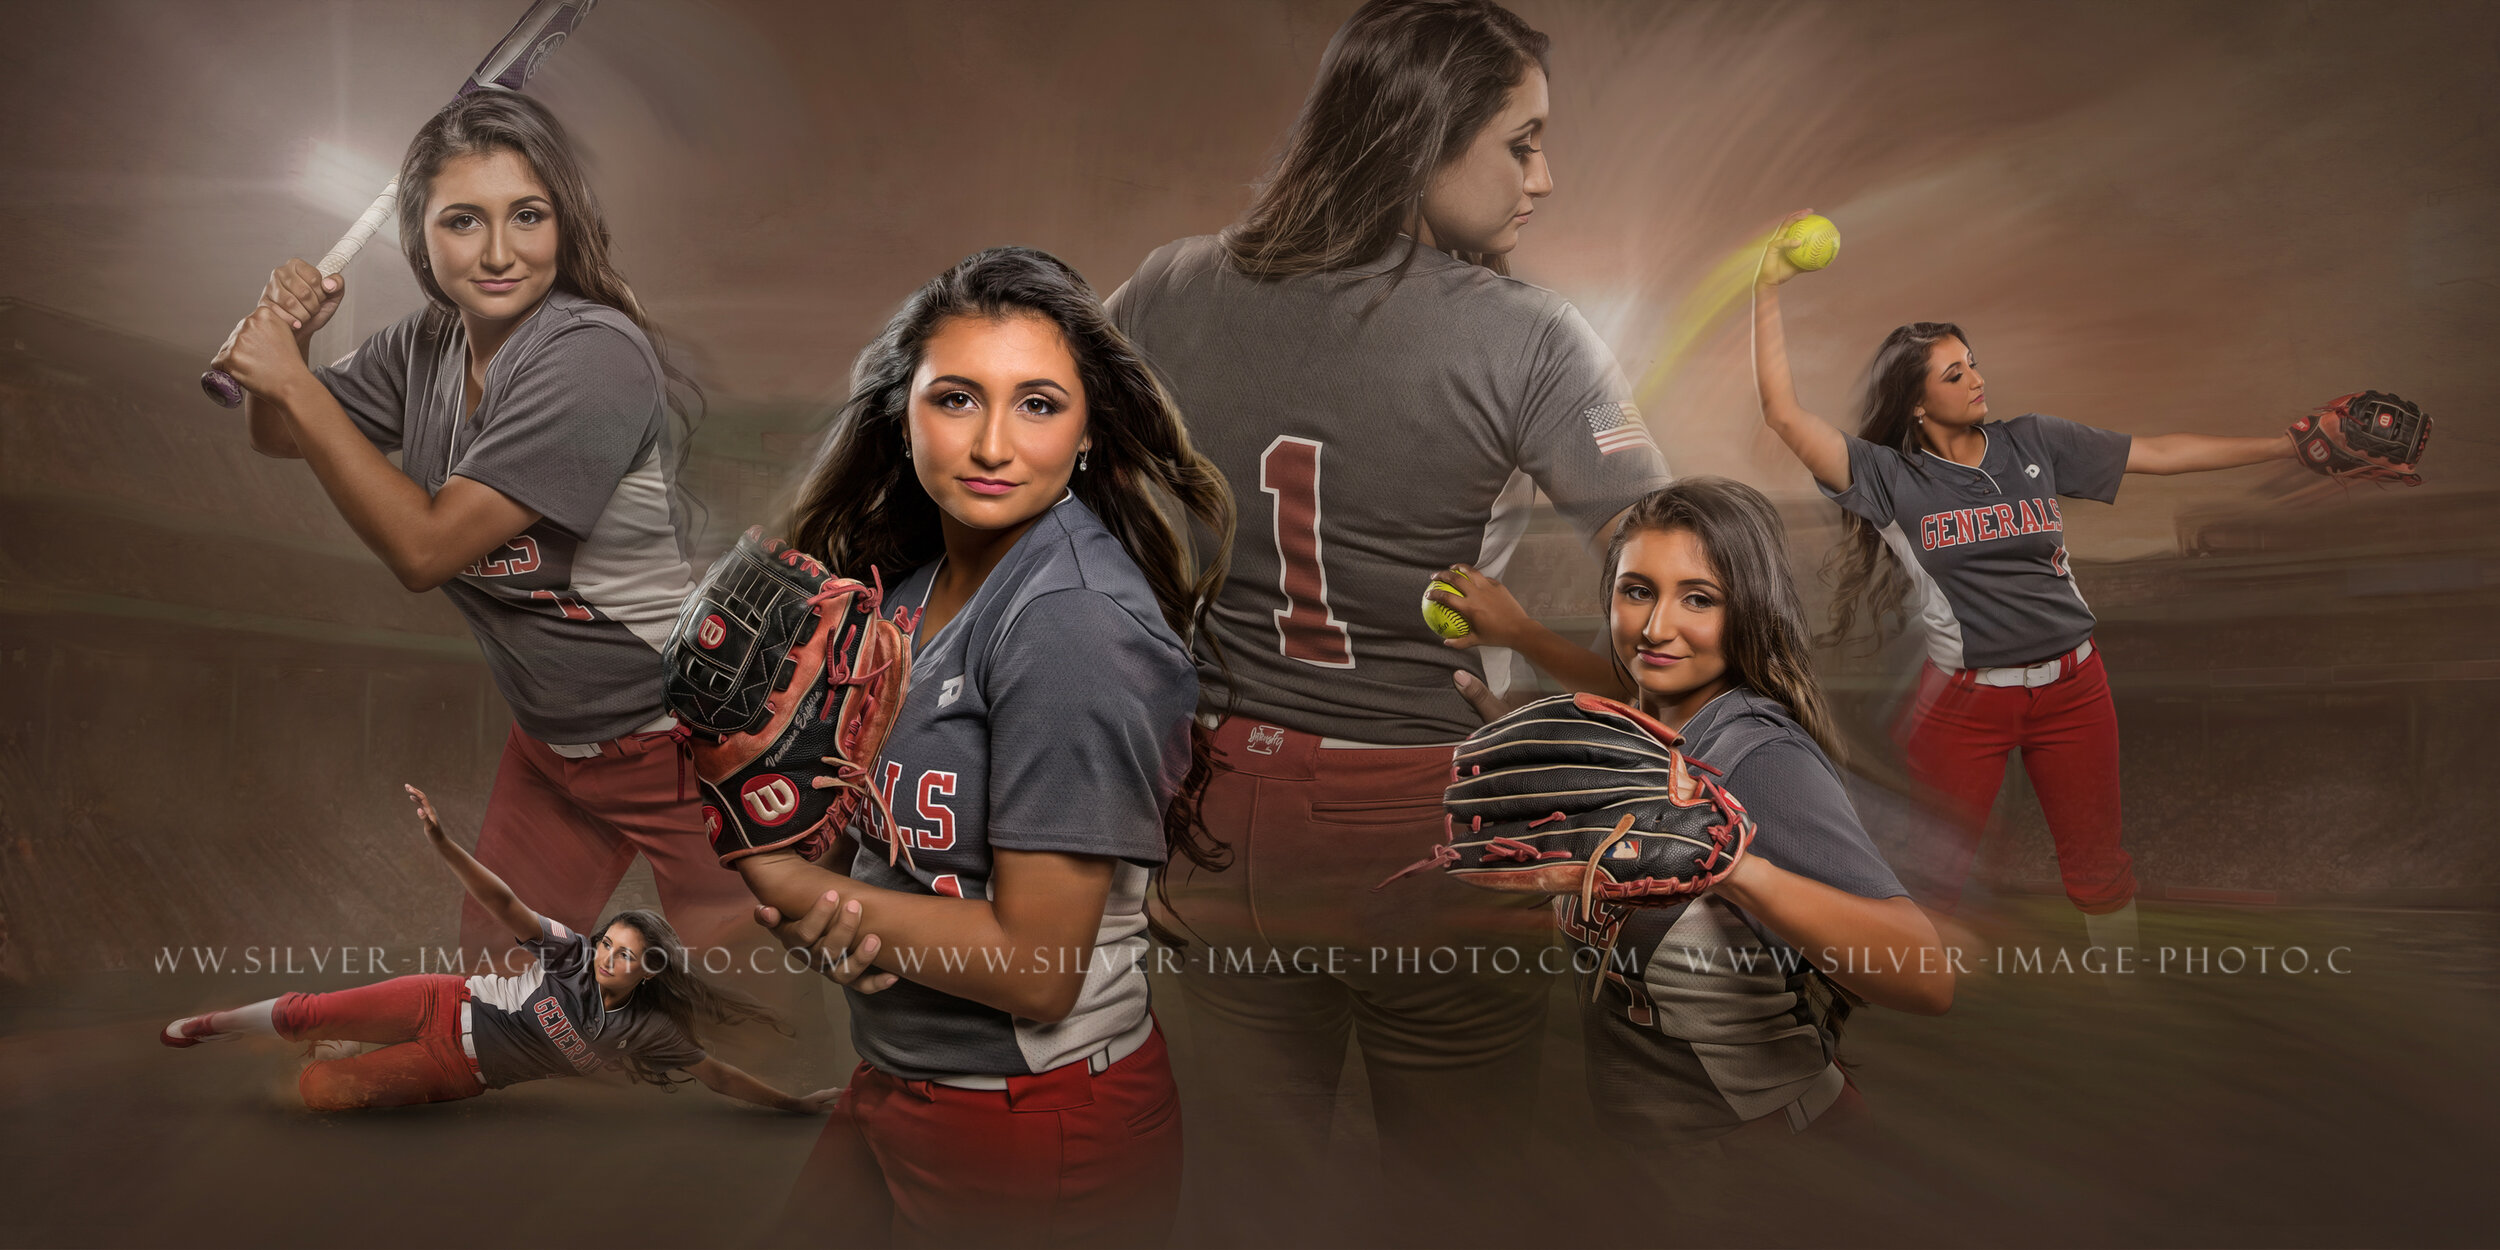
x,y
854,774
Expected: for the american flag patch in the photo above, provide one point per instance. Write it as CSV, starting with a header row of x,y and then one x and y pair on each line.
x,y
1617,427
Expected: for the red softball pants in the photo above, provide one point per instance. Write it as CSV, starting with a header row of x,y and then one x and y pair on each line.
x,y
1955,737
1068,1157
561,832
418,1019
1298,946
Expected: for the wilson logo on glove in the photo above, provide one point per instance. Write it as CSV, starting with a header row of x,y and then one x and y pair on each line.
x,y
1582,795
788,682
770,798
2369,435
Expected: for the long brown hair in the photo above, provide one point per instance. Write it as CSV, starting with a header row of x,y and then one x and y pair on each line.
x,y
1867,578
1765,636
675,991
484,122
1402,90
862,507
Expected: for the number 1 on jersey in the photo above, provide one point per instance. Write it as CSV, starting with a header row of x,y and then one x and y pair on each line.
x,y
1306,629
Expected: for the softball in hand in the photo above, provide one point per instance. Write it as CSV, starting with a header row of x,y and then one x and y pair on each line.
x,y
1444,619
1810,242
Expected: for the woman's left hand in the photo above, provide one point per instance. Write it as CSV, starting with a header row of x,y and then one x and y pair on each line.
x,y
819,1102
425,813
1492,612
1487,704
262,355
830,930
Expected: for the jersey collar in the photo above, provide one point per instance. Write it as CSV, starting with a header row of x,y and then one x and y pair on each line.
x,y
1987,447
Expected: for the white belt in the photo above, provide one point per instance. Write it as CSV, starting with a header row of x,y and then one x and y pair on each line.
x,y
1117,1049
468,1037
1817,1099
2035,675
1211,721
585,750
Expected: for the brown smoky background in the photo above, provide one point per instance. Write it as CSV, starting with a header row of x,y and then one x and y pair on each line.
x,y
2150,217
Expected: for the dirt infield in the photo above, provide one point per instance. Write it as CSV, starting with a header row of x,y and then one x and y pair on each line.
x,y
2348,1104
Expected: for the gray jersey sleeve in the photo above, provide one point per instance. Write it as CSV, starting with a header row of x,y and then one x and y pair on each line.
x,y
371,383
1804,823
579,413
1089,729
559,948
1874,473
1579,435
1127,305
2090,462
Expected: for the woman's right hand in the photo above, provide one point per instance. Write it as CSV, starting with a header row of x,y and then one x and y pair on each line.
x,y
304,295
1493,615
1775,268
829,932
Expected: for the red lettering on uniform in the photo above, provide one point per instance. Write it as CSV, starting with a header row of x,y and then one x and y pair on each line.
x,y
2057,515
1966,525
886,777
572,608
948,884
1927,532
933,783
1306,628
524,559
2007,526
2031,517
559,1030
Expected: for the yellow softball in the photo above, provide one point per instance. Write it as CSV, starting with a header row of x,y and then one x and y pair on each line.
x,y
1443,619
1810,242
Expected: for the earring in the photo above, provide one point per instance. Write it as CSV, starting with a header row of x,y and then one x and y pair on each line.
x,y
906,447
1080,462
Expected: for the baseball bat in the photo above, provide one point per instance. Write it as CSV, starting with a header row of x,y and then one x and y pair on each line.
x,y
513,60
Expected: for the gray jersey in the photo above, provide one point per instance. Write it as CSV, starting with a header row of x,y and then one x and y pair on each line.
x,y
1051,714
1370,447
551,1021
573,425
1985,545
1714,1022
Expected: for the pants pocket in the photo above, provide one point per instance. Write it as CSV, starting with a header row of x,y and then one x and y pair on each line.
x,y
1379,813
1156,1116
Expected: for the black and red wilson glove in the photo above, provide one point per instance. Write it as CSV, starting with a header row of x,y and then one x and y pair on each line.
x,y
789,682
2372,436
1582,795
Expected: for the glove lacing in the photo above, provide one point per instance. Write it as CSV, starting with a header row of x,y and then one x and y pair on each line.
x,y
852,774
